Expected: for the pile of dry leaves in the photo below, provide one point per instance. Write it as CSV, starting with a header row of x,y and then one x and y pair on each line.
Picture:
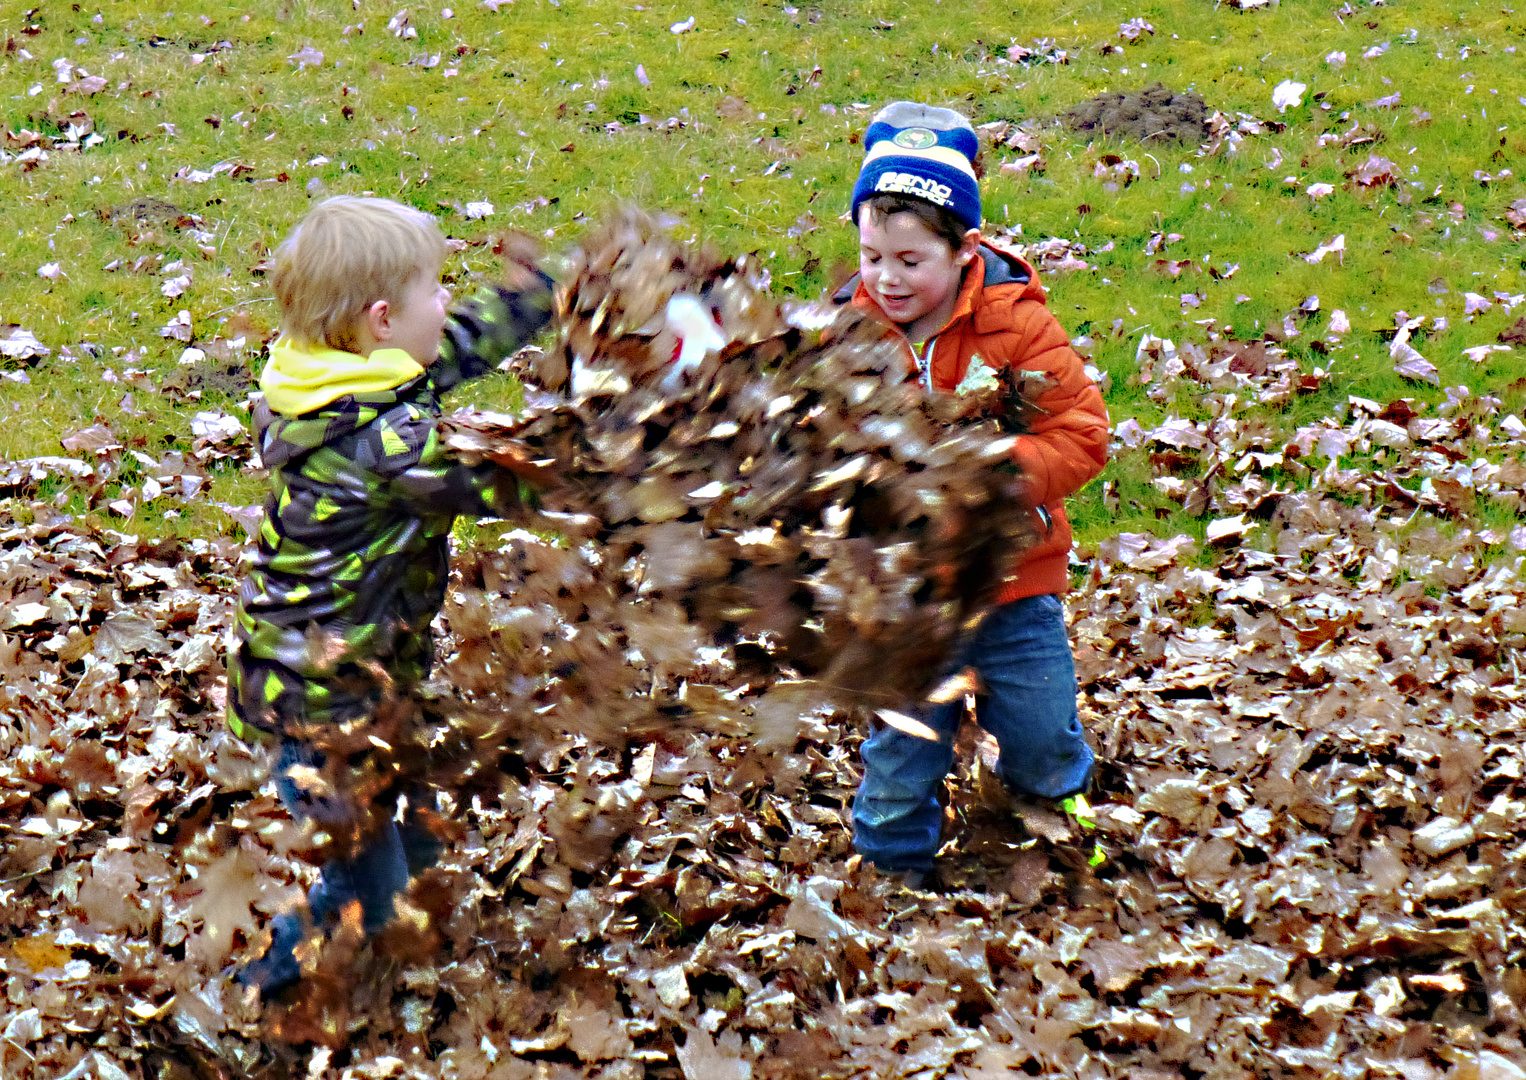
x,y
1306,856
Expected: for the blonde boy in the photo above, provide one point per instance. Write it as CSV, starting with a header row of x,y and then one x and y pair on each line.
x,y
353,553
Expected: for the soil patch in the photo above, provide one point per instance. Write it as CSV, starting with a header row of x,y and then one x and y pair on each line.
x,y
1155,113
146,208
231,377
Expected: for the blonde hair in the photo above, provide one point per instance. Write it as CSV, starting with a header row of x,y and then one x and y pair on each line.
x,y
346,254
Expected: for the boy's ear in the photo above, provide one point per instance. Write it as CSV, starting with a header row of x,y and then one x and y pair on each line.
x,y
373,329
968,248
378,321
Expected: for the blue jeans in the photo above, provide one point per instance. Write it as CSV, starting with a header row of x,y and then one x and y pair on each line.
x,y
377,873
1022,652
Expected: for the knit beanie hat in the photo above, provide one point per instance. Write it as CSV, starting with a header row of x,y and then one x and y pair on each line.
x,y
924,153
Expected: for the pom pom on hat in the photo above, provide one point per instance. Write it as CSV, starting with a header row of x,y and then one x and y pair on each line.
x,y
921,152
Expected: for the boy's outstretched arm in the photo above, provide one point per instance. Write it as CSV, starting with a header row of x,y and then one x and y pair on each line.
x,y
480,332
491,325
422,476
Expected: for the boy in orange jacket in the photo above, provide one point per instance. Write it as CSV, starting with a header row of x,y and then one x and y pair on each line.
x,y
961,306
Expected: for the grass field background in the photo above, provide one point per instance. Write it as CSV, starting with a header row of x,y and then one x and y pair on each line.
x,y
156,154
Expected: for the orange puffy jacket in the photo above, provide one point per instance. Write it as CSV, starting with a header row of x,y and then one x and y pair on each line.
x,y
1000,317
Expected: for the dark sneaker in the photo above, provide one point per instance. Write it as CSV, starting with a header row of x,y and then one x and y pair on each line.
x,y
278,968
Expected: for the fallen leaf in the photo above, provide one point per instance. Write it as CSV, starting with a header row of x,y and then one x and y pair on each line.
x,y
704,1058
1409,363
1288,94
1336,246
307,56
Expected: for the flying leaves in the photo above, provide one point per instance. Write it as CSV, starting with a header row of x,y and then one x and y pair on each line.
x,y
779,494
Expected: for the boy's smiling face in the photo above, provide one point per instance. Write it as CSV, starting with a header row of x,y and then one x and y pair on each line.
x,y
911,272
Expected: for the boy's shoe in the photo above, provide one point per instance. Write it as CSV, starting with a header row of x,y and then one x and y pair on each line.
x,y
1056,820
1043,818
1079,810
1060,821
278,968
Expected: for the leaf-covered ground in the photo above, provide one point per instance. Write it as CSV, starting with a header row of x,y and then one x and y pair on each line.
x,y
154,153
1304,678
1306,860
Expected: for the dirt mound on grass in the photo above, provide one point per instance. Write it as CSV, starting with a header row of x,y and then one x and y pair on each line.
x,y
1156,113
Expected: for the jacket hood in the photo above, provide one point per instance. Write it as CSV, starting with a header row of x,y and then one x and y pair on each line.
x,y
1006,268
299,379
316,396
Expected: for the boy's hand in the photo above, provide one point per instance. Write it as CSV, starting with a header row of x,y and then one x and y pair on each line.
x,y
521,261
515,458
478,441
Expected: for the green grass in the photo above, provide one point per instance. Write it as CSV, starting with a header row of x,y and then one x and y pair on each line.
x,y
758,137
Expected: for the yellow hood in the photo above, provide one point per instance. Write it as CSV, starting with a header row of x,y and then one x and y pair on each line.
x,y
298,380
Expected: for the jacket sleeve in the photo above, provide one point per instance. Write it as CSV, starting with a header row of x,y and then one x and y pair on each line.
x,y
487,328
416,472
1066,442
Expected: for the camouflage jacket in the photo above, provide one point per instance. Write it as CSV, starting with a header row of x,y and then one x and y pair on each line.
x,y
353,553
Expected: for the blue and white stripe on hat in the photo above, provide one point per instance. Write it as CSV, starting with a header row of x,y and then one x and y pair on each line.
x,y
921,152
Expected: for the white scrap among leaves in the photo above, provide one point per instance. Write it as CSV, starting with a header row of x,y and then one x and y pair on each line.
x,y
1288,94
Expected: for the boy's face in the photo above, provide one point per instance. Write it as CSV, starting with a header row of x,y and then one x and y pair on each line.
x,y
417,320
911,271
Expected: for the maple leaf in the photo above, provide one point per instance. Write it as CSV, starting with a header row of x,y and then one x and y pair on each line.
x,y
225,892
125,634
